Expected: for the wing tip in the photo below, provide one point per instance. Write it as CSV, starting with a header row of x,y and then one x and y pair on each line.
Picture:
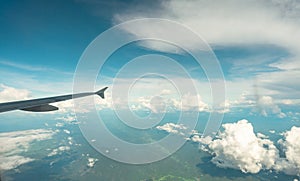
x,y
101,92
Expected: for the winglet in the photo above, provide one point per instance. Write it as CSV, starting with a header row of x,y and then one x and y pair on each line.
x,y
101,92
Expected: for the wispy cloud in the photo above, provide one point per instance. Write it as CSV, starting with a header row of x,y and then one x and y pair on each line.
x,y
23,66
37,84
31,67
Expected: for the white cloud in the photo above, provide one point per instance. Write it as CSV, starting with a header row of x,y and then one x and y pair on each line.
x,y
12,94
65,106
66,131
166,92
91,162
238,147
287,102
234,23
173,128
160,96
165,101
230,22
291,146
14,143
39,87
156,104
11,162
84,105
266,105
200,139
192,102
25,67
59,124
59,150
69,118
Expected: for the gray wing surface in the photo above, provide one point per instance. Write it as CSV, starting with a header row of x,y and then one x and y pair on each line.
x,y
42,104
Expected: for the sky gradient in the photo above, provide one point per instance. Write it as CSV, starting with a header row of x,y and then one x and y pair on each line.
x,y
255,42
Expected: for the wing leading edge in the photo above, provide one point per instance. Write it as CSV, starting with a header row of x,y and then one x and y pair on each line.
x,y
42,104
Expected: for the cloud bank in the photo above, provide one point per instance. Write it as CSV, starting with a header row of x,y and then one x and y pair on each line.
x,y
239,147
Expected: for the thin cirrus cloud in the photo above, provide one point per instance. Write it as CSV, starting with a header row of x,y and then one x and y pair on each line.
x,y
31,68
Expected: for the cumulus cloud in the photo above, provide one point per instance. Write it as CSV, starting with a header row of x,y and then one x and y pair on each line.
x,y
267,105
12,94
91,162
192,102
290,164
155,104
59,150
159,104
238,147
200,139
14,143
173,128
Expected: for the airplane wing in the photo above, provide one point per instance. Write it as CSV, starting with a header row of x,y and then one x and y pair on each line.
x,y
42,104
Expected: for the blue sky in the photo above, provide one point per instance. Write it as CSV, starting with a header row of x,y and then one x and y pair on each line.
x,y
43,41
255,42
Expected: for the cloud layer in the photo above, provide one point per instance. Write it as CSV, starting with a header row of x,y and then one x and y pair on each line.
x,y
231,22
13,144
236,23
